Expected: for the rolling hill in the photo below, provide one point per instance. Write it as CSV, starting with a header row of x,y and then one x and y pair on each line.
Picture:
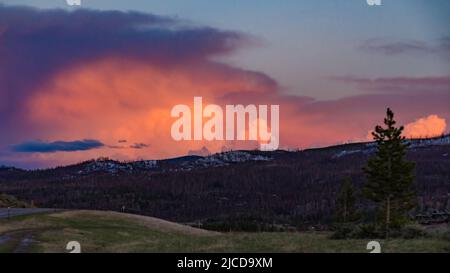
x,y
105,231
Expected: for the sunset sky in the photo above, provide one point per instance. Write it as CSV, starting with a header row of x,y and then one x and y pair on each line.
x,y
100,80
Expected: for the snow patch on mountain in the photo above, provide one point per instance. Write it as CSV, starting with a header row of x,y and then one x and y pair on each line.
x,y
223,159
113,167
413,143
445,140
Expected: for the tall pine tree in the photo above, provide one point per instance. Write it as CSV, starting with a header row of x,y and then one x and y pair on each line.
x,y
389,176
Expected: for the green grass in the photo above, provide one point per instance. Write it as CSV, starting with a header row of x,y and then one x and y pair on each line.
x,y
113,232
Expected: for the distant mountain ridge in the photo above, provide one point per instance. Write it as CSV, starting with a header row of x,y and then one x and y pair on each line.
x,y
190,162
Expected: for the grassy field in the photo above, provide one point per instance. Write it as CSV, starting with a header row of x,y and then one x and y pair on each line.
x,y
115,232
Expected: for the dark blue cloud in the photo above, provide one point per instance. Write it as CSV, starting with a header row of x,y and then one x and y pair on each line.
x,y
38,42
389,47
407,85
139,146
57,146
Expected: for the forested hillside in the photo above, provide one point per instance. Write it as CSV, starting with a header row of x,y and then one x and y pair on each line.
x,y
236,190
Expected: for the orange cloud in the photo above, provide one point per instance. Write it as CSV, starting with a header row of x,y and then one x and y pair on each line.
x,y
429,126
113,99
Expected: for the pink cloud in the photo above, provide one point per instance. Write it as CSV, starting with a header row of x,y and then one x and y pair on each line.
x,y
429,126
